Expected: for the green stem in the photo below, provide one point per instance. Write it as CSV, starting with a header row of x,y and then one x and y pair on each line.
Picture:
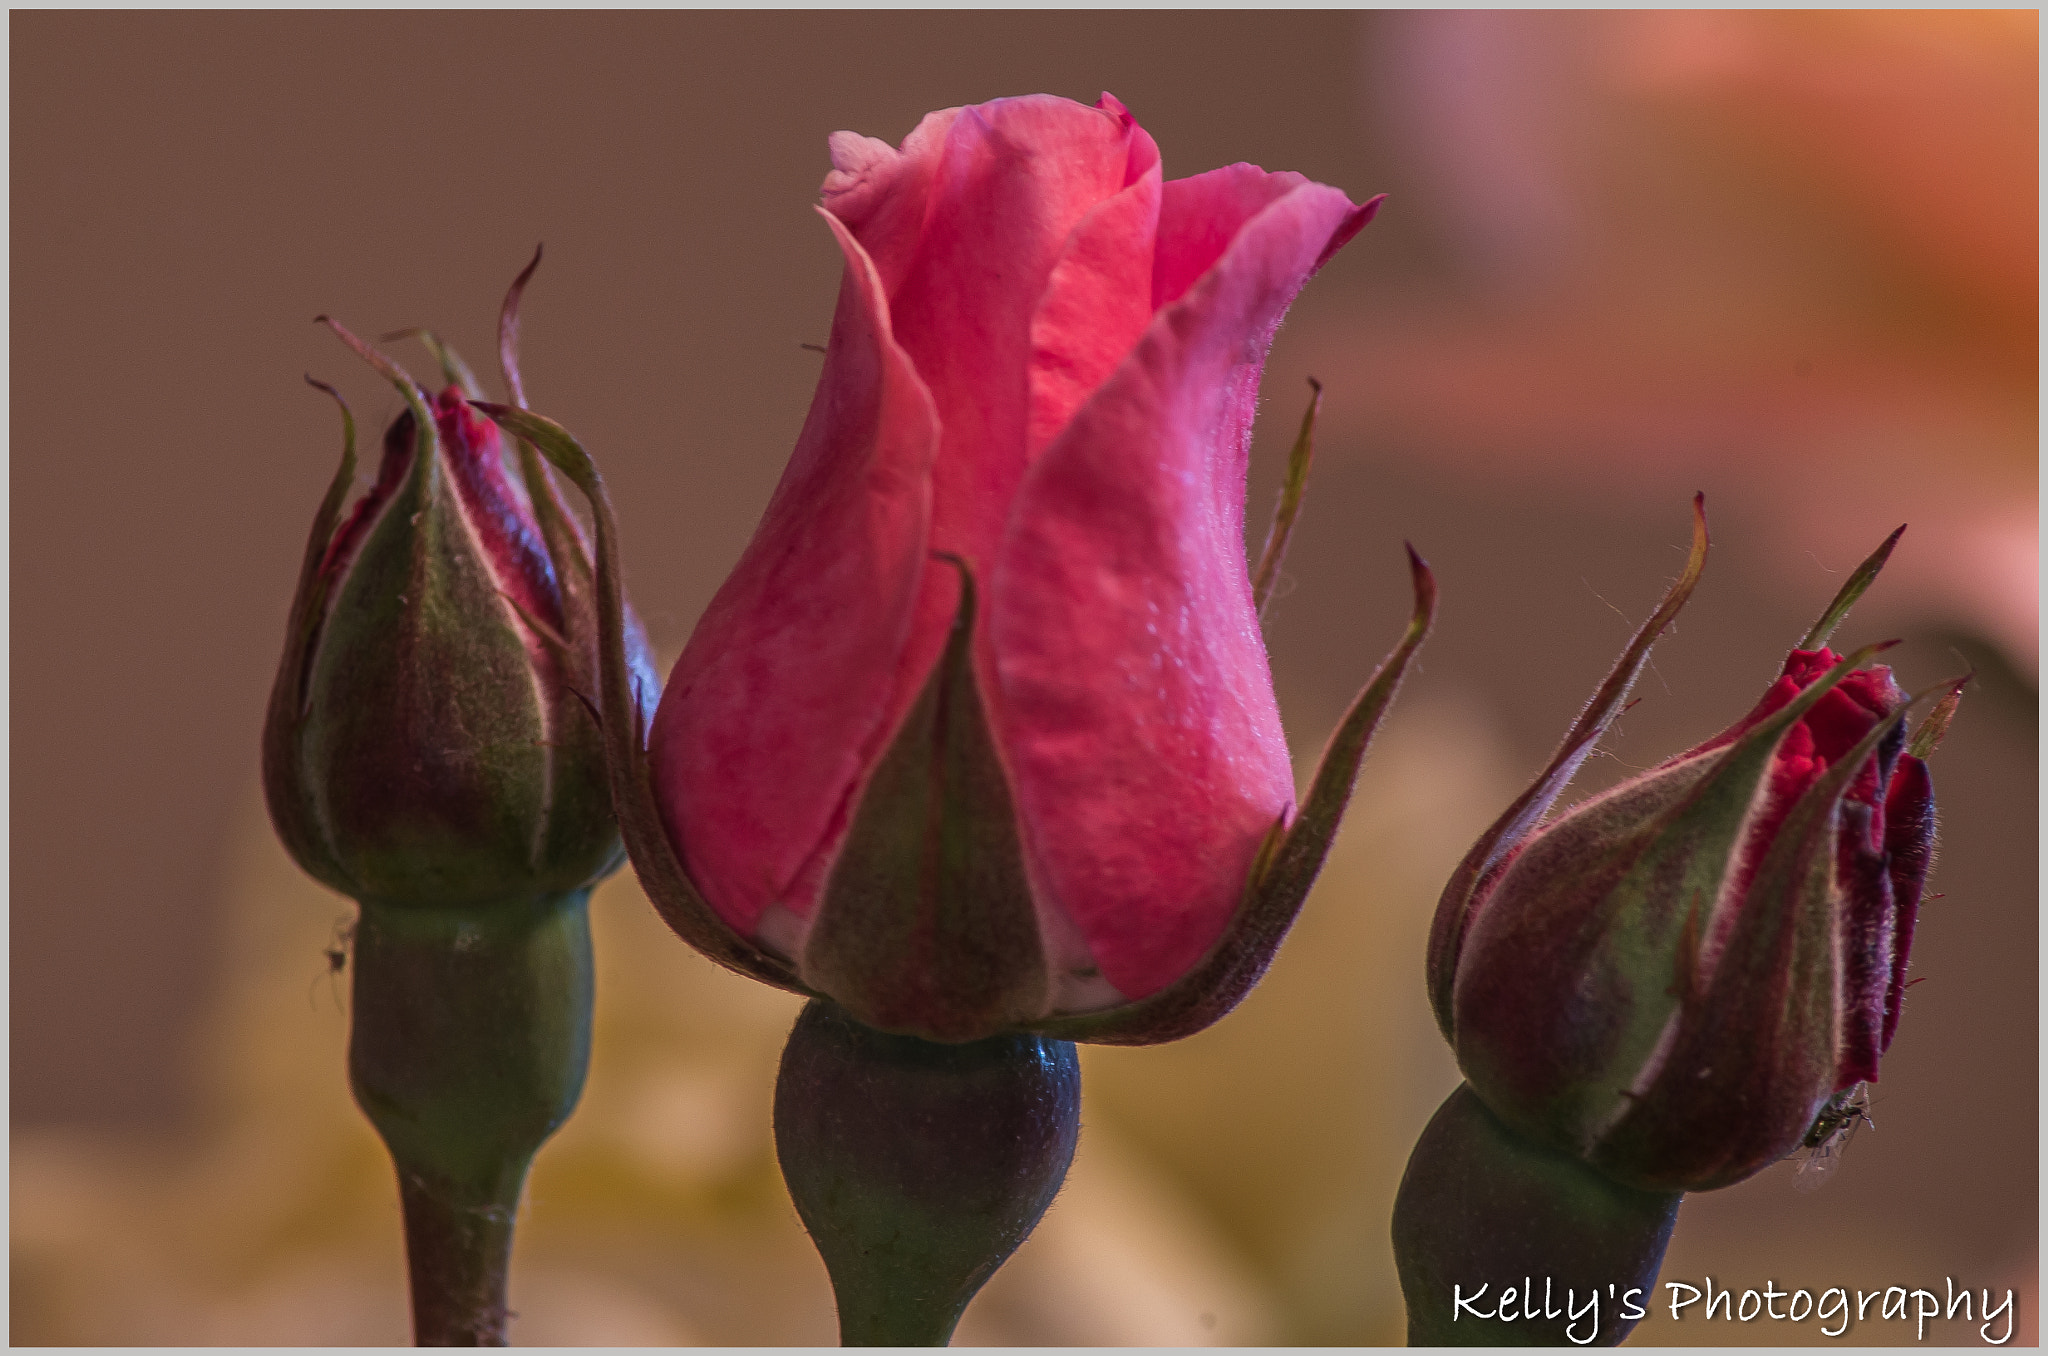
x,y
896,1318
470,1039
457,1255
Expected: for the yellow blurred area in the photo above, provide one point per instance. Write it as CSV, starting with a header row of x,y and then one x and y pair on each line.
x,y
1230,1189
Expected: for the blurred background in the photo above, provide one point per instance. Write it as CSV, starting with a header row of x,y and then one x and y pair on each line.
x,y
1787,259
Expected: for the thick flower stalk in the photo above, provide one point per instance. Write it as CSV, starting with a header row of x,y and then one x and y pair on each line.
x,y
1679,981
979,739
432,751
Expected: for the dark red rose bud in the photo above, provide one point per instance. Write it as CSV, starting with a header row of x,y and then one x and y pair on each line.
x,y
431,737
1672,979
433,749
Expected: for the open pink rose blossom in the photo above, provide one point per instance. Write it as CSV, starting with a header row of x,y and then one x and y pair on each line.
x,y
1034,417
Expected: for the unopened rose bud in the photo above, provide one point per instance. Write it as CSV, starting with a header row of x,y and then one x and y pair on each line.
x,y
980,734
1672,979
433,749
431,738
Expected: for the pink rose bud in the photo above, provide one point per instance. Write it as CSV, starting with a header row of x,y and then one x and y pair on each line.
x,y
981,732
1673,979
431,737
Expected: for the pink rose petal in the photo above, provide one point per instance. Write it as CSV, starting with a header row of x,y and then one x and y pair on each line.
x,y
881,194
776,707
1136,705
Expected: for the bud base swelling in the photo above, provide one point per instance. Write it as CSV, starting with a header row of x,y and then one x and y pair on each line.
x,y
1480,1207
919,1167
468,1049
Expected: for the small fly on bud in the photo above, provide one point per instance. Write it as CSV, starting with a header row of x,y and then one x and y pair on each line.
x,y
336,954
1820,1153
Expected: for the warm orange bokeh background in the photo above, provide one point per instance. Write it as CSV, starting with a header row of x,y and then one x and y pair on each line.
x,y
1789,259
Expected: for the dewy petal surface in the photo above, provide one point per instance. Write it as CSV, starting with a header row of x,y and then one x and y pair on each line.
x,y
776,707
1136,705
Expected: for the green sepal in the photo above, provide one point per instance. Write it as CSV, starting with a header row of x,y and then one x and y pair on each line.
x,y
425,471
434,765
1858,582
1928,736
570,554
927,927
1282,872
424,743
1760,1035
284,787
1293,486
508,331
566,544
1453,911
656,859
454,371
